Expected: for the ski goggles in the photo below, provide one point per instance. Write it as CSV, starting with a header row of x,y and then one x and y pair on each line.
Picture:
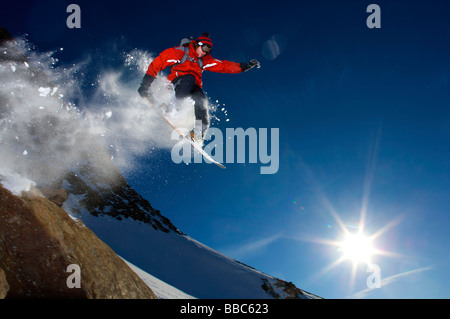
x,y
205,47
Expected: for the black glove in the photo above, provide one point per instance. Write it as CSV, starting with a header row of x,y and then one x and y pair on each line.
x,y
250,65
145,85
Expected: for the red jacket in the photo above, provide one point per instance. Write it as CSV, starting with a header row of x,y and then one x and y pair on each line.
x,y
173,56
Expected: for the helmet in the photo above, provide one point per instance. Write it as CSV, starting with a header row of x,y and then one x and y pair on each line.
x,y
204,40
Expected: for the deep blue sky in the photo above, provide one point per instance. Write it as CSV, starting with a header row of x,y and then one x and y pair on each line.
x,y
363,114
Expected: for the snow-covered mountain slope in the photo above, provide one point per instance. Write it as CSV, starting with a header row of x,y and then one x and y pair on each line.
x,y
160,288
143,237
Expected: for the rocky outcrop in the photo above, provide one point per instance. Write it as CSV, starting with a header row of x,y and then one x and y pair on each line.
x,y
39,242
4,287
104,195
280,289
56,196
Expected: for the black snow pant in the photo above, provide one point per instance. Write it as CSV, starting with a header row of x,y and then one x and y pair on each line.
x,y
185,86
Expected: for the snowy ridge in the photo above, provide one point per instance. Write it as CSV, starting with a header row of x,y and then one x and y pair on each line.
x,y
184,263
160,288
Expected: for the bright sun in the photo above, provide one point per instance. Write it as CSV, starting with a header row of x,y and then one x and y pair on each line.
x,y
357,248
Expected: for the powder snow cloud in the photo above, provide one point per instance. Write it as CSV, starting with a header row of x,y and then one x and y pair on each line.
x,y
49,124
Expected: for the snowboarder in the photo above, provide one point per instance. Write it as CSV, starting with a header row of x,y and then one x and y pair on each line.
x,y
187,63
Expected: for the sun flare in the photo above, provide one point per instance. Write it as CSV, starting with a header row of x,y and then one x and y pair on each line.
x,y
357,247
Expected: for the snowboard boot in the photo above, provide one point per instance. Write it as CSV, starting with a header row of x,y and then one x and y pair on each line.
x,y
197,136
193,137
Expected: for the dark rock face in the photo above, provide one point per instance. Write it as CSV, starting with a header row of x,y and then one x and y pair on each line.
x,y
4,287
115,198
39,241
